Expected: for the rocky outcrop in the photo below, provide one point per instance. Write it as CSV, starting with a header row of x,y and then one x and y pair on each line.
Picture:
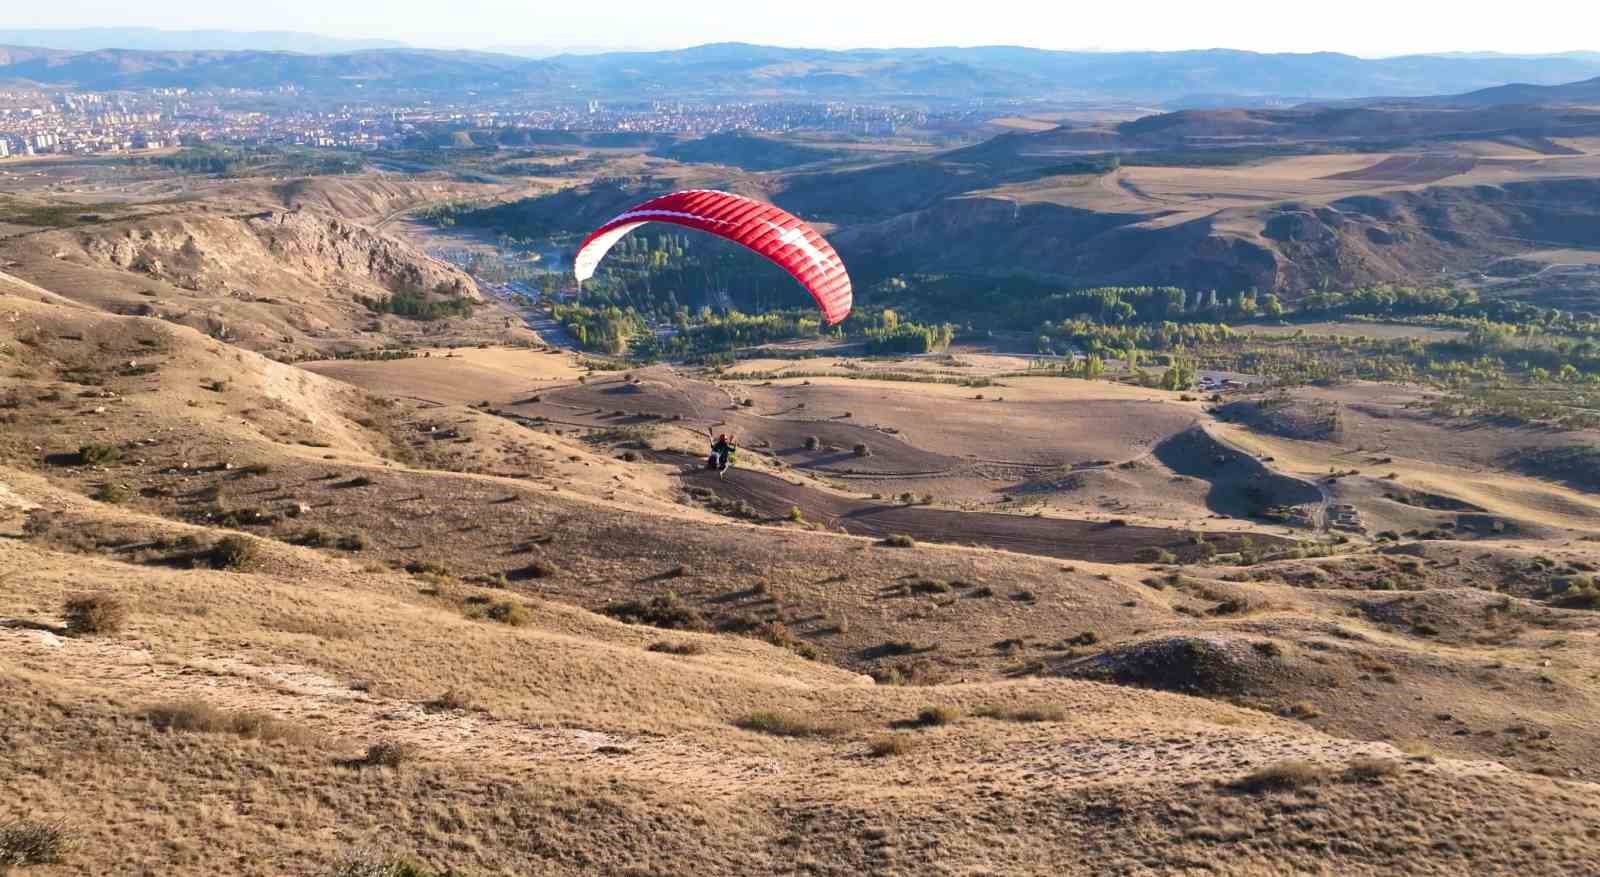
x,y
263,252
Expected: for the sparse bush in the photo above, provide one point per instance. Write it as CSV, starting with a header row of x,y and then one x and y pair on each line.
x,y
1579,592
426,568
899,541
1283,776
1049,713
538,568
352,542
781,723
114,494
861,450
891,744
777,633
1303,710
507,612
453,699
812,443
313,537
387,753
199,717
630,456
1152,554
25,842
796,515
94,614
937,715
384,867
1371,770
929,586
685,648
232,552
667,611
98,454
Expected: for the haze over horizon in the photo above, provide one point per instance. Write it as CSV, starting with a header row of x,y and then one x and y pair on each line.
x,y
1365,28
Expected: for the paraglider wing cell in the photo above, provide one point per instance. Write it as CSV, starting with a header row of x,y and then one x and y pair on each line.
x,y
780,236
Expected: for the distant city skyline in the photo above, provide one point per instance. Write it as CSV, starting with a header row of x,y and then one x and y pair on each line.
x,y
1368,28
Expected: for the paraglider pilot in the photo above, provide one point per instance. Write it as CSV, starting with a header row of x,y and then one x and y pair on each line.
x,y
721,452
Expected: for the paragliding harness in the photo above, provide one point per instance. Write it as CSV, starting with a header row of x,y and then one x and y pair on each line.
x,y
722,453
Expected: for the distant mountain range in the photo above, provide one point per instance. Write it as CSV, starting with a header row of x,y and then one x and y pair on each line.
x,y
739,71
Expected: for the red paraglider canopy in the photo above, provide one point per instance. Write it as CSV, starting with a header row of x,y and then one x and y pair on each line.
x,y
775,233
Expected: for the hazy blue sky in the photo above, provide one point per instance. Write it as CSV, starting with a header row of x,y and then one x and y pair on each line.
x,y
1365,27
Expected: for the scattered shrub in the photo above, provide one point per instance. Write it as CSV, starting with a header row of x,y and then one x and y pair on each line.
x,y
387,753
199,717
1305,709
232,552
1371,769
937,715
777,633
891,744
780,723
1152,554
796,515
98,454
899,541
538,568
677,648
94,614
1267,649
25,842
861,450
1283,776
313,537
352,542
667,611
453,699
1050,713
812,443
114,494
507,612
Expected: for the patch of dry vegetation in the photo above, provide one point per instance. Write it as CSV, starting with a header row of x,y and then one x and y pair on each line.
x,y
199,717
95,614
782,723
25,842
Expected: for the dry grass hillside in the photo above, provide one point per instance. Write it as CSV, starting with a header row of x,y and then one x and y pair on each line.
x,y
481,609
